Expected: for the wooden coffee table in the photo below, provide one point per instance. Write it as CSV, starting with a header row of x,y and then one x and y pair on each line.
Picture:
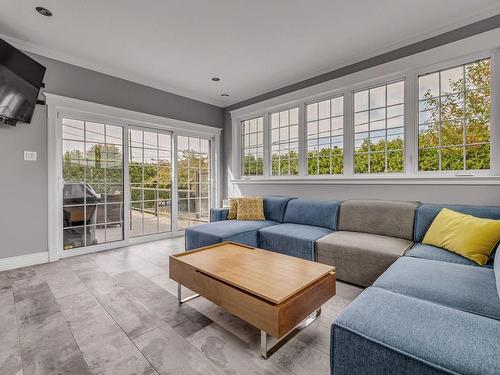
x,y
277,293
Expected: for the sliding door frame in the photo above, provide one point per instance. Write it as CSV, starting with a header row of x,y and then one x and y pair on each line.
x,y
59,107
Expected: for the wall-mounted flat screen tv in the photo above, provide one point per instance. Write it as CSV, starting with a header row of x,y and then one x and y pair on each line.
x,y
20,81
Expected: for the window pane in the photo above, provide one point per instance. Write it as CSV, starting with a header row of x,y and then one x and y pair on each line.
x,y
454,115
428,159
361,101
379,129
478,156
73,129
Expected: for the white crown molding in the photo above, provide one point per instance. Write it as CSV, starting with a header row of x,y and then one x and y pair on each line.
x,y
23,261
101,68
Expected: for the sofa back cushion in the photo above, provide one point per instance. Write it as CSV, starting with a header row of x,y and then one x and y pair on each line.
x,y
427,212
274,207
386,218
312,212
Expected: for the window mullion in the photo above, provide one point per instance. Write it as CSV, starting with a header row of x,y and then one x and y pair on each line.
x,y
495,114
267,145
302,141
348,134
410,127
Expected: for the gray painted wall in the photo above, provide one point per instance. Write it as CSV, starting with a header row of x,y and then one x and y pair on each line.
x,y
23,192
481,195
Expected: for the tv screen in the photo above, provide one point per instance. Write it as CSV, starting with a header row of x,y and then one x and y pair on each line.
x,y
20,81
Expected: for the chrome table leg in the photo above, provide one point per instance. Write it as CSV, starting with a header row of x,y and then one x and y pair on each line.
x,y
266,351
179,295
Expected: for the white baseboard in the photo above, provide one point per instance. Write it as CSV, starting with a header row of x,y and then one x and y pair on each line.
x,y
23,261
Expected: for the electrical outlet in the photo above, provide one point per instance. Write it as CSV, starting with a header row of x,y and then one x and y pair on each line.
x,y
30,155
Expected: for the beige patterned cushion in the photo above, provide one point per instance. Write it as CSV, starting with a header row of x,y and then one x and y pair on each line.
x,y
250,209
233,208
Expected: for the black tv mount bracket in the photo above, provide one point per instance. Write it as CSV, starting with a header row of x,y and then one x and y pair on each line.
x,y
38,101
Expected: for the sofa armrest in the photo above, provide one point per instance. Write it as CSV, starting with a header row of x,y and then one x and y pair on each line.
x,y
218,214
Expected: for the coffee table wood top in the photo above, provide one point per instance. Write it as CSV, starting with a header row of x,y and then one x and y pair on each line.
x,y
266,274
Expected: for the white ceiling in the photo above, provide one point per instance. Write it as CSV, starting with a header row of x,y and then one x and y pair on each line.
x,y
254,45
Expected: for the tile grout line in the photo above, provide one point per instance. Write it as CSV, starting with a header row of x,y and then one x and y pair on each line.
x,y
167,324
18,329
118,324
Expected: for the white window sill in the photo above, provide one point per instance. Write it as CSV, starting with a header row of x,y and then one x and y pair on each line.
x,y
373,180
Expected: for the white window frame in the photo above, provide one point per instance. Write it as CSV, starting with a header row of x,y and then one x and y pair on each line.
x,y
411,175
59,107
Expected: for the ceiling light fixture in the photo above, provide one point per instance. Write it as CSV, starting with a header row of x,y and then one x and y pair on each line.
x,y
224,94
215,79
44,11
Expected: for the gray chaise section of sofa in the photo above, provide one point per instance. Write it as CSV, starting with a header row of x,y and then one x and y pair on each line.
x,y
371,236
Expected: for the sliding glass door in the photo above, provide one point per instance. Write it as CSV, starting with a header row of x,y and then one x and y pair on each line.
x,y
93,183
193,181
118,183
150,177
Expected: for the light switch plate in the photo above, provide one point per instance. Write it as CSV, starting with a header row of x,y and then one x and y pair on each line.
x,y
30,155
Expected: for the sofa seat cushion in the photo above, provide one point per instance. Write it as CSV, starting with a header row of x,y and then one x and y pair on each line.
x,y
420,250
359,258
292,239
245,232
398,334
471,289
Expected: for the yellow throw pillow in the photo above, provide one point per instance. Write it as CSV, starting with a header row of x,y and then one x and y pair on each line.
x,y
233,209
471,237
250,209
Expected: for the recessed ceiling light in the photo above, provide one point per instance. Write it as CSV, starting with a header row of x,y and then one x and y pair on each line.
x,y
44,11
215,79
224,94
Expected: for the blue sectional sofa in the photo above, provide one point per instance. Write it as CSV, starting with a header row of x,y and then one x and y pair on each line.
x,y
425,311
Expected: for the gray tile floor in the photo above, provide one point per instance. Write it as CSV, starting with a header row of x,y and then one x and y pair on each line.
x,y
116,312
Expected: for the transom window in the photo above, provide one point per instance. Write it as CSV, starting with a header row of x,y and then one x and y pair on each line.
x,y
252,147
379,129
454,118
325,131
285,142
